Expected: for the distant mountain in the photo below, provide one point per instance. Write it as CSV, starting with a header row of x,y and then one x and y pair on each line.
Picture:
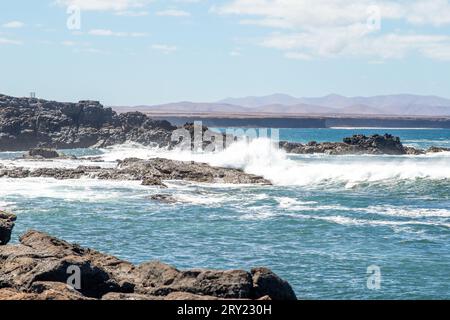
x,y
188,107
294,109
255,102
333,104
401,104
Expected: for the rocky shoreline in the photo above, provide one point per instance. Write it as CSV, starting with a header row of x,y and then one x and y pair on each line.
x,y
151,172
39,268
27,123
359,144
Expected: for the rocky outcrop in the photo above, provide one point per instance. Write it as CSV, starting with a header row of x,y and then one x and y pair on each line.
x,y
437,150
44,153
164,198
6,227
39,268
357,144
27,123
151,172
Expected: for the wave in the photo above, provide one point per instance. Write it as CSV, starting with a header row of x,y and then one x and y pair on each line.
x,y
69,190
261,157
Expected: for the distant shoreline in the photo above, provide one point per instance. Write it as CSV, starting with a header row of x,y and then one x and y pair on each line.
x,y
302,121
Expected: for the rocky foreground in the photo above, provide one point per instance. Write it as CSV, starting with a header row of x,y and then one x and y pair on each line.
x,y
40,266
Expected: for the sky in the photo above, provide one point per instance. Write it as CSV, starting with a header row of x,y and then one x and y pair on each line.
x,y
135,52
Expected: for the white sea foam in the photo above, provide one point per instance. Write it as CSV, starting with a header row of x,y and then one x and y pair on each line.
x,y
56,163
291,204
408,212
69,190
262,158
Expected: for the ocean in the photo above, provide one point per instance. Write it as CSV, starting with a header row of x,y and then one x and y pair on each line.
x,y
325,222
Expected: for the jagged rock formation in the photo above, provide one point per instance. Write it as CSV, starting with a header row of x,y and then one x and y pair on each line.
x,y
6,226
358,144
151,172
27,123
39,268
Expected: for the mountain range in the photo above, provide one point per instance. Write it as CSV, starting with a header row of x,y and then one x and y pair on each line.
x,y
282,104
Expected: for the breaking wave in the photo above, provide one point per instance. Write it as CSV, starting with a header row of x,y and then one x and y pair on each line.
x,y
261,157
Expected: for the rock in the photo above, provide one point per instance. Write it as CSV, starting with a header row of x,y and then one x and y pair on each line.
x,y
164,198
357,144
158,279
114,296
43,291
56,291
186,296
152,181
151,172
6,227
30,123
268,284
437,150
37,269
165,169
42,153
414,151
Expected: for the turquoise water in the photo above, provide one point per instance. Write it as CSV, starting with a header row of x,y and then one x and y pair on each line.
x,y
322,224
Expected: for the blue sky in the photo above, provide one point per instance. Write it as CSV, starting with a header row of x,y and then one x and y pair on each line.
x,y
130,52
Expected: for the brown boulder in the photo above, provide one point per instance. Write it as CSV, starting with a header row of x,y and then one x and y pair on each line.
x,y
38,268
266,283
6,227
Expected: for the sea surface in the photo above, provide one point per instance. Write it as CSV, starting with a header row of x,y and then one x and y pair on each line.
x,y
323,223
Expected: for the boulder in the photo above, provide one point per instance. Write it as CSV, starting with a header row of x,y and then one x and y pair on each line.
x,y
42,153
37,269
6,227
164,198
268,284
437,150
357,144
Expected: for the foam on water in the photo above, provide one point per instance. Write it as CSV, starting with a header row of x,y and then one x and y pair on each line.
x,y
89,190
260,157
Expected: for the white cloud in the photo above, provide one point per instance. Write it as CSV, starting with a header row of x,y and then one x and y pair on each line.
x,y
131,13
173,13
10,41
104,5
164,48
302,13
236,52
333,28
110,33
13,25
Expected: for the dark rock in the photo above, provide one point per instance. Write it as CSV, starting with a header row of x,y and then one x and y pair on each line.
x,y
152,181
414,151
267,283
357,144
152,172
187,170
115,296
437,150
158,279
36,269
6,227
43,153
164,198
30,123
